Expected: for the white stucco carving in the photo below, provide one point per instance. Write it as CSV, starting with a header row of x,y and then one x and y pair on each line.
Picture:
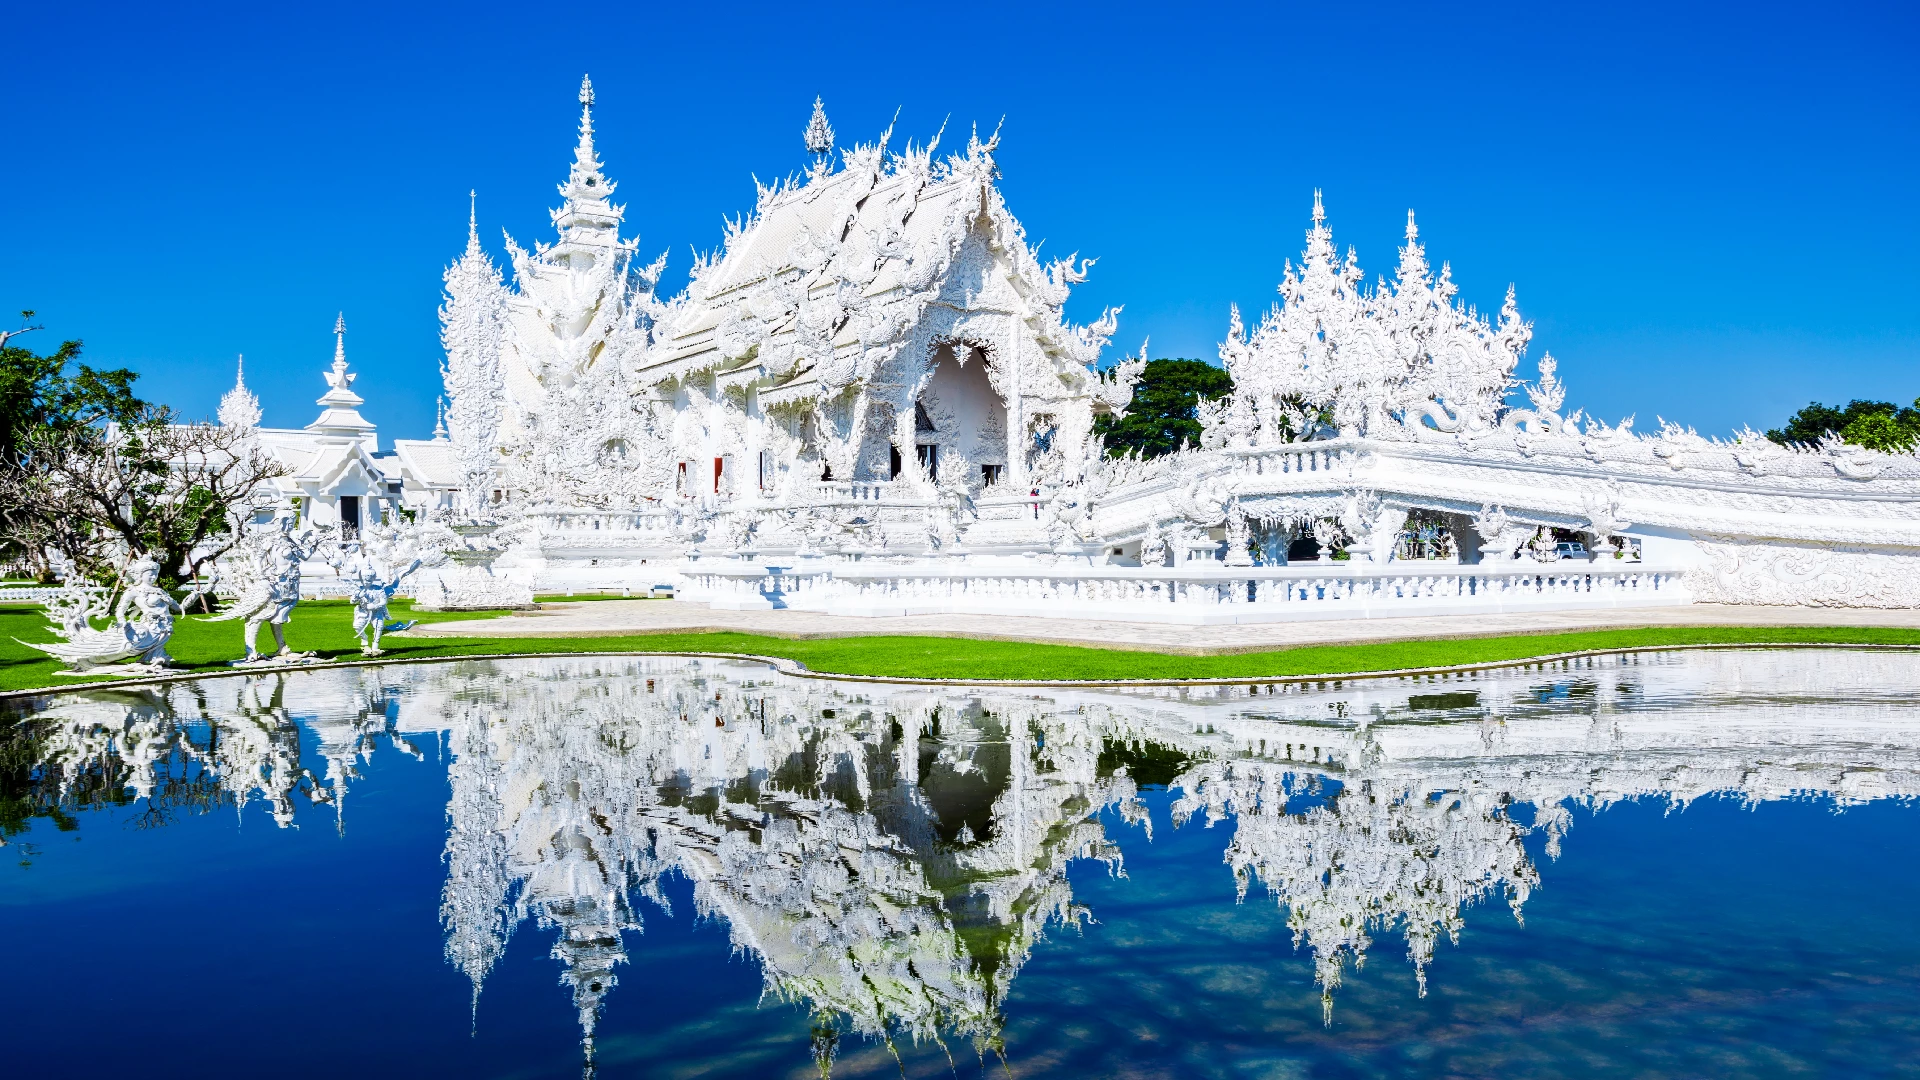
x,y
260,579
139,623
876,366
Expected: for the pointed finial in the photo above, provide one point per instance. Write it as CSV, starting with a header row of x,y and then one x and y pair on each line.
x,y
440,417
819,133
240,371
586,164
1319,211
1413,231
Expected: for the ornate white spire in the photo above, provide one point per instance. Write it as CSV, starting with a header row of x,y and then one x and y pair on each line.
x,y
340,343
238,407
586,220
473,221
472,330
440,419
819,136
340,404
584,153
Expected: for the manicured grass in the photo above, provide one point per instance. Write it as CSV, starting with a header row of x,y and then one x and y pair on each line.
x,y
325,627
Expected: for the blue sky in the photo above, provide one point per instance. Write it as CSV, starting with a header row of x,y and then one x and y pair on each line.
x,y
1707,210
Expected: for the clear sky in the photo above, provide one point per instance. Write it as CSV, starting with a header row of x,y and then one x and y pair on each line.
x,y
1707,209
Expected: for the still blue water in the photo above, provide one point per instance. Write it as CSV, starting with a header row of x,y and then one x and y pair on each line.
x,y
722,872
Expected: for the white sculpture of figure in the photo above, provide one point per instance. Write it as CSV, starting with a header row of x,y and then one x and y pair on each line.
x,y
1542,546
1153,547
371,586
263,579
1494,526
141,622
1327,533
1604,521
1364,519
1239,535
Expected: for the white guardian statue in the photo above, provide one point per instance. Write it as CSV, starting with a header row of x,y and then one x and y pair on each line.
x,y
261,579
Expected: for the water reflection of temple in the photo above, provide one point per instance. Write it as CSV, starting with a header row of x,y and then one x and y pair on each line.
x,y
890,856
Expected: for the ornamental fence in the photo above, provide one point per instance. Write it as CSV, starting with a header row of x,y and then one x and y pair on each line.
x,y
1206,594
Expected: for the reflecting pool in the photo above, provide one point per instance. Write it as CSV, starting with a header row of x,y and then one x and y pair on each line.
x,y
1664,864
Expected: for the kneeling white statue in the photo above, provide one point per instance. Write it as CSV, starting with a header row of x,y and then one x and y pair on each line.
x,y
141,622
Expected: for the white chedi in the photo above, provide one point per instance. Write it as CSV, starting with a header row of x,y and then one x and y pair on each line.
x,y
239,408
472,324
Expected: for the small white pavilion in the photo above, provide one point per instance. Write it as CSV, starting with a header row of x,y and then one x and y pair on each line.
x,y
336,472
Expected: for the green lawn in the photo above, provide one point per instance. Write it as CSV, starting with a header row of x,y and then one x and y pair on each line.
x,y
324,627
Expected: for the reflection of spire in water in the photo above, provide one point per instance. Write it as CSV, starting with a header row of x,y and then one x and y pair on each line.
x,y
800,817
477,901
890,862
1369,858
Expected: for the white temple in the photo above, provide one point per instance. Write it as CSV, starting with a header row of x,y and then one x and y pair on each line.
x,y
868,401
336,473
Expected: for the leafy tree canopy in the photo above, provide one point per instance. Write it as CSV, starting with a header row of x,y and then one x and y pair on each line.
x,y
1162,417
1877,425
91,471
37,393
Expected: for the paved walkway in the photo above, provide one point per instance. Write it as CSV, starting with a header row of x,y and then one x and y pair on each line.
x,y
667,616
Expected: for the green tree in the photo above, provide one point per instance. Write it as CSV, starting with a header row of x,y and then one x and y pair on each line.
x,y
1877,425
90,470
1162,416
39,398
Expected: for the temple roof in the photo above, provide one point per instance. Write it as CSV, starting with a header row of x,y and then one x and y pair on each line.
x,y
433,462
841,264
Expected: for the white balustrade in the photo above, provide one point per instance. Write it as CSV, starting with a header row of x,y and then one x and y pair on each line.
x,y
31,594
1207,594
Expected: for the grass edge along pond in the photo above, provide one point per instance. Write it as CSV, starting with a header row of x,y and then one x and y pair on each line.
x,y
324,627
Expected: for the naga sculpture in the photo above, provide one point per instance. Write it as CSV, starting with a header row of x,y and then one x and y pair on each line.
x,y
141,622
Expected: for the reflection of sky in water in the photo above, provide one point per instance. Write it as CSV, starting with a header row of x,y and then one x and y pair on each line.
x,y
688,846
